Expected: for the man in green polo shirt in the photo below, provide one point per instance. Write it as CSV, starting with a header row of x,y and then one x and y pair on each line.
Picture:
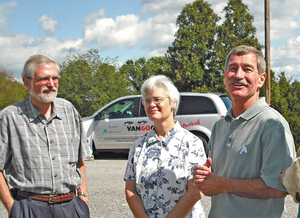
x,y
249,148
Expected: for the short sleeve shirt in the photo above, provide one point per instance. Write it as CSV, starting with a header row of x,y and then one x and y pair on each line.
x,y
162,168
257,144
40,155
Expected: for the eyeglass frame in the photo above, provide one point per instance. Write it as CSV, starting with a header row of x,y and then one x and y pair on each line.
x,y
45,79
156,101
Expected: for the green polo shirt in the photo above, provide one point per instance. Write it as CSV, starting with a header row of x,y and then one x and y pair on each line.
x,y
256,144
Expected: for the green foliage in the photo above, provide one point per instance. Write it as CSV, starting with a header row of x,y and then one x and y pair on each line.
x,y
12,91
90,82
285,98
198,53
237,29
136,72
192,53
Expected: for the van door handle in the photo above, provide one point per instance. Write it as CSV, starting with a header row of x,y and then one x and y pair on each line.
x,y
142,122
128,123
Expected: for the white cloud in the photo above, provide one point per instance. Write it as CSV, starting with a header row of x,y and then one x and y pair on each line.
x,y
107,32
18,48
90,18
286,58
157,6
287,54
156,53
5,11
284,17
48,24
129,31
291,72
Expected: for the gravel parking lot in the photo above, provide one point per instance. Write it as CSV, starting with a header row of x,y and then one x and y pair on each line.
x,y
106,189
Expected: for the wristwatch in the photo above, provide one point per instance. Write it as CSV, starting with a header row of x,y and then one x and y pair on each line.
x,y
84,193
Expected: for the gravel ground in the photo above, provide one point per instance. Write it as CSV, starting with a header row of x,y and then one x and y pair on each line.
x,y
106,189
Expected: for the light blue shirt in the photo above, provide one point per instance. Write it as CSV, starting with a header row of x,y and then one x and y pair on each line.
x,y
258,143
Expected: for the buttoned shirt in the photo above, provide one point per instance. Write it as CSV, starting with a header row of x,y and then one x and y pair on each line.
x,y
257,144
162,168
40,155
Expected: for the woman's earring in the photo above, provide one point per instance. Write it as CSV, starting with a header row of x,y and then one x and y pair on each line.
x,y
172,107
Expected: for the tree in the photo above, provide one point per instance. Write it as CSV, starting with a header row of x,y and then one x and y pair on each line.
x,y
237,29
90,82
192,53
285,99
136,72
12,91
198,53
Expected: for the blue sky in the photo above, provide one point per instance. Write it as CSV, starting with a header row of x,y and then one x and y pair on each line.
x,y
127,29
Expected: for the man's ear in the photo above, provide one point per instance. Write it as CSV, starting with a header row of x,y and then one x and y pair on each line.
x,y
262,79
27,83
224,76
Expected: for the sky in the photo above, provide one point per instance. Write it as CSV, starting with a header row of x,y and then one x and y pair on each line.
x,y
127,29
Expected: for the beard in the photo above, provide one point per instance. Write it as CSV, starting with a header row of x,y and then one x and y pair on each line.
x,y
44,97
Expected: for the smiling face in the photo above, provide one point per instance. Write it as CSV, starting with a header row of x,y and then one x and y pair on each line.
x,y
43,91
158,112
242,79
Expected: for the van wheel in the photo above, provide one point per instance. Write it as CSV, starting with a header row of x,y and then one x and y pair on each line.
x,y
94,149
204,141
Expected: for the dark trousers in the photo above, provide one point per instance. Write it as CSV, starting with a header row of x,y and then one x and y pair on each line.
x,y
28,208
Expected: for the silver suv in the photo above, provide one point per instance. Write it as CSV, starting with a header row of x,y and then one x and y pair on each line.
x,y
119,123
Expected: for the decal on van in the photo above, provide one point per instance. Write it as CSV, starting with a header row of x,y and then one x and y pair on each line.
x,y
113,126
197,123
120,139
111,131
139,128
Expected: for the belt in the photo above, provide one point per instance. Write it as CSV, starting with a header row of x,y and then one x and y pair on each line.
x,y
51,199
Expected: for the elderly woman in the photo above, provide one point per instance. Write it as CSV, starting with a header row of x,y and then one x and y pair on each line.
x,y
160,163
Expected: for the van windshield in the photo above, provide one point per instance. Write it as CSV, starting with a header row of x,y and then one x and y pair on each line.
x,y
226,101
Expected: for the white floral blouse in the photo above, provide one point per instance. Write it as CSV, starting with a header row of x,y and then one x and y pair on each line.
x,y
162,168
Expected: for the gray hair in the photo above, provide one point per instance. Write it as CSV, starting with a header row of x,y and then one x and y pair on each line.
x,y
244,49
161,81
34,62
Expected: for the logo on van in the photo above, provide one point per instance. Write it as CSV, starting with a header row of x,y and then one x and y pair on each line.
x,y
197,123
104,131
139,128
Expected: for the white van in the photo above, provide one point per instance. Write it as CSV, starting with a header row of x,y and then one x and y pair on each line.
x,y
116,125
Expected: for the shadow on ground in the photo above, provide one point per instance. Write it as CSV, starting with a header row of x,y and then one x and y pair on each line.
x,y
111,156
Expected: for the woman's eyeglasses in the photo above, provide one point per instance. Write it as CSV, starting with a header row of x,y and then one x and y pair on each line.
x,y
156,101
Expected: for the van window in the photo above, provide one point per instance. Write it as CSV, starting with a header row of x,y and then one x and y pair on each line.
x,y
121,109
196,105
226,101
142,109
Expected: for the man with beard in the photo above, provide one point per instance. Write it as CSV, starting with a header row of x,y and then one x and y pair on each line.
x,y
42,147
248,148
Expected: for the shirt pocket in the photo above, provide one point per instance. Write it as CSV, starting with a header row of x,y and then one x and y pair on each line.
x,y
68,147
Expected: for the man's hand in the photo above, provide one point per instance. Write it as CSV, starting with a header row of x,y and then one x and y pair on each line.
x,y
212,185
209,183
5,195
201,172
